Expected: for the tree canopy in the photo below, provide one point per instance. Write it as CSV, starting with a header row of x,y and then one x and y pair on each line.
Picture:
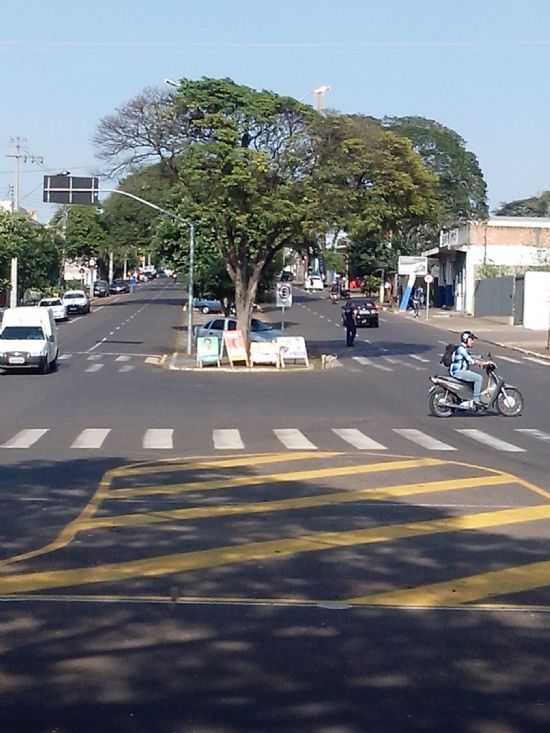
x,y
537,206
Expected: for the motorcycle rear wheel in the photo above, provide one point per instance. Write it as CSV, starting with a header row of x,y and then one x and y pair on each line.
x,y
435,398
510,402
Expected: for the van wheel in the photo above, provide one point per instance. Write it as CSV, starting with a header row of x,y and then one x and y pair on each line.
x,y
45,367
53,365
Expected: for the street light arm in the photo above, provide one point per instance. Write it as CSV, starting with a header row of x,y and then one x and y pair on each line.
x,y
147,203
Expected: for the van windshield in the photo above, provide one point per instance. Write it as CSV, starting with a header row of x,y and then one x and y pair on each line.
x,y
22,333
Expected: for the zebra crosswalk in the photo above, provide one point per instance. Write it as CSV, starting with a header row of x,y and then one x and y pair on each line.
x,y
96,363
396,440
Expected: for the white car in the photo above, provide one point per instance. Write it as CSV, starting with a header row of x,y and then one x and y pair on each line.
x,y
314,282
76,301
56,305
28,339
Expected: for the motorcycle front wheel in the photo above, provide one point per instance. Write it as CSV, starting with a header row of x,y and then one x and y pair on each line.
x,y
510,402
435,399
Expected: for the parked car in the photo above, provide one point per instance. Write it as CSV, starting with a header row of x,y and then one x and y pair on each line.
x,y
56,305
207,304
314,282
366,313
101,288
76,301
119,286
259,331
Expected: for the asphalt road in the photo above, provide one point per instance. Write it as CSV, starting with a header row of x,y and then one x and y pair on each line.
x,y
269,552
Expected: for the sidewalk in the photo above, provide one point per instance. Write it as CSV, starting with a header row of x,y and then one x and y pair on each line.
x,y
491,330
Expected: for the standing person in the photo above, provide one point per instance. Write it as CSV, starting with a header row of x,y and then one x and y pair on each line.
x,y
416,303
350,324
132,282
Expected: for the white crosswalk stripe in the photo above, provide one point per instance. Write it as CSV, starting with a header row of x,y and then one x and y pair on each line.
x,y
368,362
419,358
490,441
542,362
64,357
95,357
501,357
126,368
94,368
25,438
423,439
294,439
227,439
358,439
532,433
403,363
91,438
158,439
124,357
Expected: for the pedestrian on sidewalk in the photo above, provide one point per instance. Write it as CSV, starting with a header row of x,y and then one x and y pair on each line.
x,y
132,282
350,324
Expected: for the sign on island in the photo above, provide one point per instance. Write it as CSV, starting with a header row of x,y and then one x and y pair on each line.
x,y
208,350
293,348
265,352
235,346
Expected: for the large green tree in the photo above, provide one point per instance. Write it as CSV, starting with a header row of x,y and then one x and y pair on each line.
x,y
533,206
35,248
462,187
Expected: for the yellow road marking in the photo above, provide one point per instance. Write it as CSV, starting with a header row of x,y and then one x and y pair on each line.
x,y
174,464
309,475
468,589
340,497
267,550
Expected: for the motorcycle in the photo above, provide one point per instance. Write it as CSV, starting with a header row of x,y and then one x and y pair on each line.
x,y
447,395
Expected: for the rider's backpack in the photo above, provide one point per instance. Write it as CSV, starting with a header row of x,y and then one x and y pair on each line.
x,y
447,357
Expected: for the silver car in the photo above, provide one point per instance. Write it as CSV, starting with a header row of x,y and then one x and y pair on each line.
x,y
56,305
259,331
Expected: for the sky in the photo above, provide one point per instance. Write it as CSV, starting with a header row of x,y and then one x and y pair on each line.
x,y
481,67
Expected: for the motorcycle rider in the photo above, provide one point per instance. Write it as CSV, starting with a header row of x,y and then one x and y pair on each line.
x,y
461,362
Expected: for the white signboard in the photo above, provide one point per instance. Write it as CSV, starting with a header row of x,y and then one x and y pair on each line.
x,y
413,265
265,352
208,350
293,348
284,295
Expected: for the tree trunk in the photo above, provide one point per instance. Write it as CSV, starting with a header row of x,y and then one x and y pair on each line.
x,y
246,286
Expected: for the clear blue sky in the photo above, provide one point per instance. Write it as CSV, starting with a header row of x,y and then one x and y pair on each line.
x,y
481,67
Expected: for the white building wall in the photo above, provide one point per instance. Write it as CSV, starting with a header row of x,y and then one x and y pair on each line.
x,y
536,310
503,255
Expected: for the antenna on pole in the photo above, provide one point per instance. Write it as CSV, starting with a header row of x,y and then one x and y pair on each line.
x,y
319,98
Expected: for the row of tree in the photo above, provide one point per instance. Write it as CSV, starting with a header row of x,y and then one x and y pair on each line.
x,y
257,172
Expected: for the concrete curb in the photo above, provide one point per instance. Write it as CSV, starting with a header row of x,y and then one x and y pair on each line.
x,y
171,366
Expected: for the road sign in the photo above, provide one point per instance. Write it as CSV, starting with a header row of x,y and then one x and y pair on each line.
x,y
428,279
63,189
284,295
413,265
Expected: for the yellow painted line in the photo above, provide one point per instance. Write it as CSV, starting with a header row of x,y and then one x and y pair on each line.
x,y
174,464
533,487
467,589
309,475
265,507
261,551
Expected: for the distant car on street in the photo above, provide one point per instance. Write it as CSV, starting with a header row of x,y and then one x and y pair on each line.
x,y
101,288
76,301
207,304
119,286
314,282
366,313
259,331
56,306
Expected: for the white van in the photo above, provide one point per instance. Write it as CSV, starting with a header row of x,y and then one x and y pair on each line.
x,y
28,339
314,282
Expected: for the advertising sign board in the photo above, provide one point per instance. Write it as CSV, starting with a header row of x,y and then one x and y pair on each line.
x,y
208,350
235,346
293,348
284,295
265,352
413,265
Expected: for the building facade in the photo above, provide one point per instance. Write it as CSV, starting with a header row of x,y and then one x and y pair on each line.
x,y
502,245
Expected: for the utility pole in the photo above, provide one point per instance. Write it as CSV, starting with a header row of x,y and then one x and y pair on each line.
x,y
21,155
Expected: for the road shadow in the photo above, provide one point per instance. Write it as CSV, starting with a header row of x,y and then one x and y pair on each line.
x,y
206,650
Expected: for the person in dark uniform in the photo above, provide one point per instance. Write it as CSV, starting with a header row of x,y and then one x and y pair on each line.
x,y
350,324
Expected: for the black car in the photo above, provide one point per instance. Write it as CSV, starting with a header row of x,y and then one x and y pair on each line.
x,y
119,286
101,288
366,313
